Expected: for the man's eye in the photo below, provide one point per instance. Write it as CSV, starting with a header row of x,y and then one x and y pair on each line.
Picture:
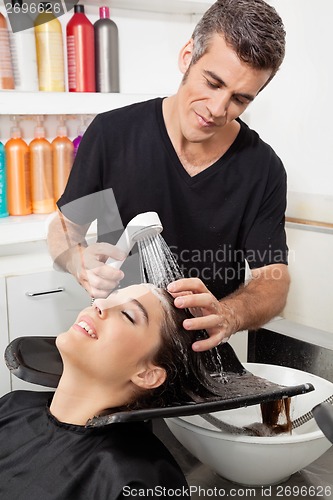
x,y
212,85
129,316
240,101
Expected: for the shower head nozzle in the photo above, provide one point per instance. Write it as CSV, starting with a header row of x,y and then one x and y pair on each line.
x,y
142,226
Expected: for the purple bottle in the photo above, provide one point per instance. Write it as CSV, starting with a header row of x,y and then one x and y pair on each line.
x,y
81,130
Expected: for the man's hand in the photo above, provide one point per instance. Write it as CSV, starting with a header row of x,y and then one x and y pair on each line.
x,y
87,265
216,318
70,252
248,308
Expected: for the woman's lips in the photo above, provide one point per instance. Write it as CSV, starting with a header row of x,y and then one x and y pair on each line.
x,y
86,326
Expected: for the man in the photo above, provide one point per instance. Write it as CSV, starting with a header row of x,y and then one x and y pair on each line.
x,y
219,190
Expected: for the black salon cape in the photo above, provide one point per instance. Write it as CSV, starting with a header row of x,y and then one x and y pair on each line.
x,y
44,459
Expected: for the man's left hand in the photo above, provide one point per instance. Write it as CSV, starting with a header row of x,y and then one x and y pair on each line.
x,y
218,319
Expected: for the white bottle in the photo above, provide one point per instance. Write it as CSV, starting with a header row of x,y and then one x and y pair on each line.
x,y
24,59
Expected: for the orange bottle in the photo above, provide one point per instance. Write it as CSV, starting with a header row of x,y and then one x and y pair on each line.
x,y
63,157
6,67
41,172
18,174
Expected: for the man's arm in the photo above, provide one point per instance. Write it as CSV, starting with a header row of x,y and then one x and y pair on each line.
x,y
63,239
249,307
70,252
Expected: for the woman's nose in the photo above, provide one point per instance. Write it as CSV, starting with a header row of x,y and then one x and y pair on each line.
x,y
100,307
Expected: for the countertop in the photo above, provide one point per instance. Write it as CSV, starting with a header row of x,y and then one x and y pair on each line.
x,y
315,481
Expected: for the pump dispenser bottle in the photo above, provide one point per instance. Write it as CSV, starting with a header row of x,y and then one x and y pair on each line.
x,y
106,53
41,172
50,51
80,52
3,183
80,131
6,67
18,173
63,156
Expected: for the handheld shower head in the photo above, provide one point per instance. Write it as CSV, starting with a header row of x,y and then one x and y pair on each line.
x,y
142,226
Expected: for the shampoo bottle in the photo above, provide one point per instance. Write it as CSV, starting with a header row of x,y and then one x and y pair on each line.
x,y
18,174
50,51
3,183
80,52
23,49
63,156
41,172
106,53
6,67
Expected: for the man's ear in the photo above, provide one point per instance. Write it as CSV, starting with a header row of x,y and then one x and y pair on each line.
x,y
149,378
185,56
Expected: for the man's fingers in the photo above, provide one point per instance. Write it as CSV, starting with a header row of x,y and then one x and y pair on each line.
x,y
194,285
203,322
203,300
210,343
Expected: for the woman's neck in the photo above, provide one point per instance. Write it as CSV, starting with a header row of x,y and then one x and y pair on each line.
x,y
75,403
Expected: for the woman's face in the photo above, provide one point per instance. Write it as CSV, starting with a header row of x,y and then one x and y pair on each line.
x,y
116,337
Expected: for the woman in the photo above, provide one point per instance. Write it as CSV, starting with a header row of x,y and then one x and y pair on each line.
x,y
127,351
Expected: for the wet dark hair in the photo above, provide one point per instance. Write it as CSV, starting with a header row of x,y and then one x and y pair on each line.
x,y
252,28
194,377
188,377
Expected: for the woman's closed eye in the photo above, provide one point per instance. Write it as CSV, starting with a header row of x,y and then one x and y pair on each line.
x,y
129,315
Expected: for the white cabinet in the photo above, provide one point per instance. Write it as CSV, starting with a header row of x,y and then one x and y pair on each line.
x,y
43,304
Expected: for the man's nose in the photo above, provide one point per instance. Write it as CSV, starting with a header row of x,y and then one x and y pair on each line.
x,y
218,105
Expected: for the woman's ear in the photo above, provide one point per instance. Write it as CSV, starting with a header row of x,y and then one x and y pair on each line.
x,y
185,56
153,376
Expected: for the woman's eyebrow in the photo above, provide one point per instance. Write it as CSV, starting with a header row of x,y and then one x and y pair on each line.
x,y
142,309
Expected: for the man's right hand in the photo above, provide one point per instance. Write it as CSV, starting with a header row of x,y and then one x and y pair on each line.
x,y
70,252
87,265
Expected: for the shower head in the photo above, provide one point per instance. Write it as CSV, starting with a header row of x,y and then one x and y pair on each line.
x,y
142,226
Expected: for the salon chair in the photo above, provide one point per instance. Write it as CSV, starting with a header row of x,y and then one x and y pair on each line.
x,y
37,360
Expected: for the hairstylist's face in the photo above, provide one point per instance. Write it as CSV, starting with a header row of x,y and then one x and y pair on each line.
x,y
116,337
215,90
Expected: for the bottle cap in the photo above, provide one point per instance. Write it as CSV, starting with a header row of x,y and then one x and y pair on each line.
x,y
62,131
15,132
79,9
39,132
104,12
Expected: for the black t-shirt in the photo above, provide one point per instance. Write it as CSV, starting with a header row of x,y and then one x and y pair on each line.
x,y
44,459
213,221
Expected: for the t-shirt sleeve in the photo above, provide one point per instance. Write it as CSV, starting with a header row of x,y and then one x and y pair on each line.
x,y
266,241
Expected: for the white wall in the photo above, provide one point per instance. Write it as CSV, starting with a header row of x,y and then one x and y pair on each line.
x,y
310,300
294,112
294,115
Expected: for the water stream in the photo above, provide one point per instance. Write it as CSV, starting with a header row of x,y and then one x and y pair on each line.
x,y
159,266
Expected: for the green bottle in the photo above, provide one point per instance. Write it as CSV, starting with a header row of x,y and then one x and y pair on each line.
x,y
3,183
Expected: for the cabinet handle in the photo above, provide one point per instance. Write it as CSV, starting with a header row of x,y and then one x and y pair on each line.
x,y
45,292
